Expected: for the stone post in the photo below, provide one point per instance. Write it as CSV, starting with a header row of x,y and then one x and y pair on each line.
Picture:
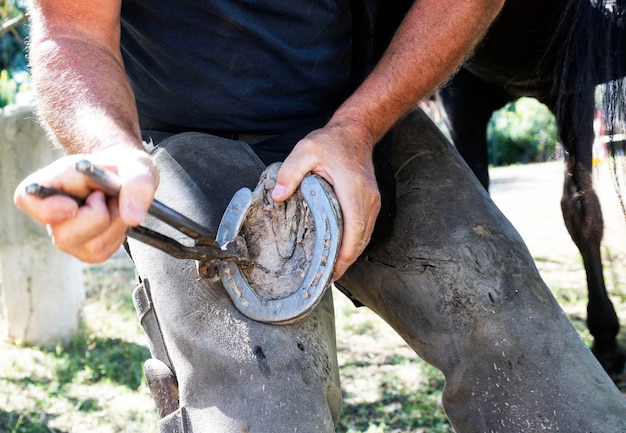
x,y
42,290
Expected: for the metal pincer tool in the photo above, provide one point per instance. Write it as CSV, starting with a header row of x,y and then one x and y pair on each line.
x,y
226,252
205,248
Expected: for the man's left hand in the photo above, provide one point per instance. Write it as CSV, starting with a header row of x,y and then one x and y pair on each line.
x,y
345,161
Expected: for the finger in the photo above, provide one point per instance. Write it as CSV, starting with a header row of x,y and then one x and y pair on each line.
x,y
140,179
109,241
360,214
293,170
356,235
94,234
51,210
54,209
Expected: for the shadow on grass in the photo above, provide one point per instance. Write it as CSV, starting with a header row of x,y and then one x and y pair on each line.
x,y
395,413
400,407
12,422
98,359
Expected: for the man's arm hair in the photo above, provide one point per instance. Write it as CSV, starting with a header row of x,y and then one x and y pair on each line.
x,y
431,43
83,96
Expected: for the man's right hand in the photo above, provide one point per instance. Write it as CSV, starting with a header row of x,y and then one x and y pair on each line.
x,y
95,231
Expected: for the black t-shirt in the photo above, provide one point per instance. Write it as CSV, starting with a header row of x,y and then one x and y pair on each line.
x,y
261,66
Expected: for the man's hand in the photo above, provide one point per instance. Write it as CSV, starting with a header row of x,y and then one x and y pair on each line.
x,y
433,39
92,232
345,161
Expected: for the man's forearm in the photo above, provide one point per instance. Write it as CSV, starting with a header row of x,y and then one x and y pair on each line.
x,y
83,95
430,44
85,107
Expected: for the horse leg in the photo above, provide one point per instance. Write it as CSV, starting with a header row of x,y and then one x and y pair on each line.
x,y
583,218
456,281
469,102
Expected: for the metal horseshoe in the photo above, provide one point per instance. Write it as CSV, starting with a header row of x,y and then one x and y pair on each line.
x,y
317,277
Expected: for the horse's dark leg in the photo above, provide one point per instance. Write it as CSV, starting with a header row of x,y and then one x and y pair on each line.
x,y
583,219
469,103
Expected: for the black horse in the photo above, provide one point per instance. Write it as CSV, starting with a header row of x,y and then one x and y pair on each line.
x,y
555,51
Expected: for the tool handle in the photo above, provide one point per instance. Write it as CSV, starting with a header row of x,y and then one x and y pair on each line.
x,y
205,249
111,186
44,191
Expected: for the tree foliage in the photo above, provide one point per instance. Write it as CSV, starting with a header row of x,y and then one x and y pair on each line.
x,y
521,132
13,34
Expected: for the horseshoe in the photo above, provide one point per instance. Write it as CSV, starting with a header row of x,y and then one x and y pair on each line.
x,y
317,278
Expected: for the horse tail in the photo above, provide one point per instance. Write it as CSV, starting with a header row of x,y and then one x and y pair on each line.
x,y
590,46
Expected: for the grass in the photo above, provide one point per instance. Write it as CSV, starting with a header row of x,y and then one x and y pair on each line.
x,y
95,383
387,388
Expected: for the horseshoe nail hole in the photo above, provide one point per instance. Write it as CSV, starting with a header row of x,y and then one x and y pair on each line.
x,y
301,347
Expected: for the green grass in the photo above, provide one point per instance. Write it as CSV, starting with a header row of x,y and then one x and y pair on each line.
x,y
95,383
387,388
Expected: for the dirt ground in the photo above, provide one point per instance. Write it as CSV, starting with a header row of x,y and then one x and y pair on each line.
x,y
529,196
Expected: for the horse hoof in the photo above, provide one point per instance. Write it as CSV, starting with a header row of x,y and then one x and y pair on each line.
x,y
293,247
